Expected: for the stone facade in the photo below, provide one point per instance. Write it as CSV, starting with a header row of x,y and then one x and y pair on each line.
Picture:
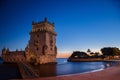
x,y
42,44
13,56
41,48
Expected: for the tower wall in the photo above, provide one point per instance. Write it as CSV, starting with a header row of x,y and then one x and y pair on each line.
x,y
42,45
13,56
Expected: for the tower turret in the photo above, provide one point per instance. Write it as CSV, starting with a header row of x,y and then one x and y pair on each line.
x,y
4,51
42,44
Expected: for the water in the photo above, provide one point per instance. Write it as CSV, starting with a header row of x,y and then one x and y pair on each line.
x,y
63,67
67,68
1,61
9,71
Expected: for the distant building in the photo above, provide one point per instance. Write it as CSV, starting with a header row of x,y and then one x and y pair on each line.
x,y
41,48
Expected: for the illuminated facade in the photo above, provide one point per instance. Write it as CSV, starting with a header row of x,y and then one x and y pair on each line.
x,y
41,48
42,45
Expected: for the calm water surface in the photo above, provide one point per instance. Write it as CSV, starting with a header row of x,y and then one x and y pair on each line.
x,y
10,71
1,61
66,68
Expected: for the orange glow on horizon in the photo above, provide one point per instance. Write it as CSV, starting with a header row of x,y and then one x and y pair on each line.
x,y
63,55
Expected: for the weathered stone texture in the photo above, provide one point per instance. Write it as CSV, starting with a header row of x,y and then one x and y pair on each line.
x,y
42,45
41,48
13,56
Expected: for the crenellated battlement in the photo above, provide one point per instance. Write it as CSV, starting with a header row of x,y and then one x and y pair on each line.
x,y
42,45
41,48
43,22
43,26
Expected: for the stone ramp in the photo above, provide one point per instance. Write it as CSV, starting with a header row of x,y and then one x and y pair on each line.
x,y
26,70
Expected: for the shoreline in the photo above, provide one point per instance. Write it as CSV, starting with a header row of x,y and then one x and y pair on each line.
x,y
91,60
79,73
111,73
95,74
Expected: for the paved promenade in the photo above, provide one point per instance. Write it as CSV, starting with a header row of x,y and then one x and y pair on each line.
x,y
112,73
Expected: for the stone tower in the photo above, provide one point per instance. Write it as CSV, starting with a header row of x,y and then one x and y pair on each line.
x,y
42,48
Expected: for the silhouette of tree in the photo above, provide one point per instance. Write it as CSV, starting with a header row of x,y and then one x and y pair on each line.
x,y
110,51
88,50
96,54
92,53
78,54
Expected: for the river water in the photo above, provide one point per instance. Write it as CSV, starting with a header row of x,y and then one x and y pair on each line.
x,y
61,68
67,68
10,71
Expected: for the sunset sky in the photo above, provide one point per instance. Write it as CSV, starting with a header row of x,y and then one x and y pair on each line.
x,y
80,24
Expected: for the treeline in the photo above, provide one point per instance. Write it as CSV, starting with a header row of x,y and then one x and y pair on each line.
x,y
107,52
110,51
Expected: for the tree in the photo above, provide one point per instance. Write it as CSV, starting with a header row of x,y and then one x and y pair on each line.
x,y
96,54
117,51
88,50
92,53
110,51
78,54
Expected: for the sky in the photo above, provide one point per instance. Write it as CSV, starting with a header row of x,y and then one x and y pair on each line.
x,y
80,24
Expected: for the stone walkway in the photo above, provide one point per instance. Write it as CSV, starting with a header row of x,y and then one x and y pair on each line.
x,y
26,71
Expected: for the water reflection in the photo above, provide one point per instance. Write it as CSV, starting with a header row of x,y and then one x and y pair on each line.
x,y
65,68
46,70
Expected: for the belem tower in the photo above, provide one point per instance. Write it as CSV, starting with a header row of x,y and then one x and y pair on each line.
x,y
41,48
